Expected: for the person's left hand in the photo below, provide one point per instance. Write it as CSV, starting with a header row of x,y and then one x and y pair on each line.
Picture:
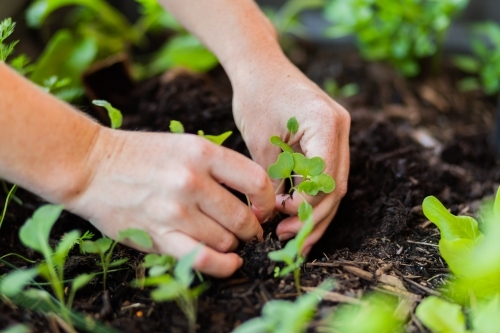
x,y
266,95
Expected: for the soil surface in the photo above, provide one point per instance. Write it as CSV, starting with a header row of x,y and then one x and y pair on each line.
x,y
409,139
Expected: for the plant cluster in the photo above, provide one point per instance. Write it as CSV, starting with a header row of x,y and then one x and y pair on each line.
x,y
289,165
177,127
472,301
484,63
397,32
172,281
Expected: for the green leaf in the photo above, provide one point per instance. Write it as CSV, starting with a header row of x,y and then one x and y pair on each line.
x,y
65,56
441,316
65,245
469,84
467,64
309,187
292,125
81,280
154,259
325,182
458,253
305,211
184,267
308,166
176,126
286,254
166,292
118,262
218,139
137,236
283,167
19,328
450,226
14,282
35,232
276,140
99,246
114,114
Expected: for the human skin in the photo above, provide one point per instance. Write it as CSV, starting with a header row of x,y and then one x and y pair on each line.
x,y
170,184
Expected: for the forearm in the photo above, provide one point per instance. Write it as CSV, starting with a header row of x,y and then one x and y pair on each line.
x,y
44,143
235,30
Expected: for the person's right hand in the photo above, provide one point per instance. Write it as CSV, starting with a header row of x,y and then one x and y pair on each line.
x,y
170,186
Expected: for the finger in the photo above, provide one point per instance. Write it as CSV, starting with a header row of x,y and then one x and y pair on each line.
x,y
245,176
231,213
207,260
290,226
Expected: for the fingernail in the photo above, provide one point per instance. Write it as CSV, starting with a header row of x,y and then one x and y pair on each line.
x,y
285,236
307,250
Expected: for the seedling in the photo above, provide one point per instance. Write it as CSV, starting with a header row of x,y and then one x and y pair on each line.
x,y
333,89
177,127
114,114
484,64
175,286
279,316
397,32
104,248
10,195
6,29
288,166
61,88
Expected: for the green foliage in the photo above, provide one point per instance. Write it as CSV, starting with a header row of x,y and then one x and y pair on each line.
x,y
441,316
19,328
6,29
10,195
398,32
173,283
177,127
104,248
279,316
61,88
333,89
375,314
115,115
484,64
313,181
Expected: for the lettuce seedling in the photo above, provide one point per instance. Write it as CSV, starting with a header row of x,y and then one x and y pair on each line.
x,y
279,316
115,115
104,248
288,166
441,316
174,286
484,64
177,127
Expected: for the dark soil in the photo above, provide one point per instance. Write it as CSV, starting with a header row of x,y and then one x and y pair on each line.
x,y
379,229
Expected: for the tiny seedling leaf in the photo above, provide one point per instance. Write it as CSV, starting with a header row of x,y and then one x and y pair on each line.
x,y
99,246
154,259
309,187
176,127
450,226
325,182
81,280
13,283
118,262
114,114
283,167
35,232
441,316
64,246
308,166
276,140
184,267
305,211
292,125
166,292
137,236
218,139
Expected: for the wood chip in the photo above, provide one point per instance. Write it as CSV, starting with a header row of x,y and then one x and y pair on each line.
x,y
334,296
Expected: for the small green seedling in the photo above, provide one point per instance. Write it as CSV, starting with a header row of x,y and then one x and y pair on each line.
x,y
375,313
61,88
114,114
174,286
288,166
333,89
10,195
6,29
104,248
177,127
440,315
279,316
484,64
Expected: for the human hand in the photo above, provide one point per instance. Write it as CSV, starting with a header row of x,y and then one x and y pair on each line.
x,y
170,186
266,95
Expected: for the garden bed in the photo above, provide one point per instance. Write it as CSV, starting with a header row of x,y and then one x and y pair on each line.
x,y
409,139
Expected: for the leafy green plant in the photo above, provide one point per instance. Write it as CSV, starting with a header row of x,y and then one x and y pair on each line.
x,y
114,114
333,89
279,316
310,170
484,64
177,127
6,29
472,301
104,248
397,32
375,313
173,283
10,195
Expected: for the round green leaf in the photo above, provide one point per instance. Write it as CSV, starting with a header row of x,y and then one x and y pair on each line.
x,y
283,167
325,182
292,125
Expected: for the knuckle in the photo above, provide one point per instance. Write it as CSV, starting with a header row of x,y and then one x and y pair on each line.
x,y
261,181
242,219
188,181
203,260
226,244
